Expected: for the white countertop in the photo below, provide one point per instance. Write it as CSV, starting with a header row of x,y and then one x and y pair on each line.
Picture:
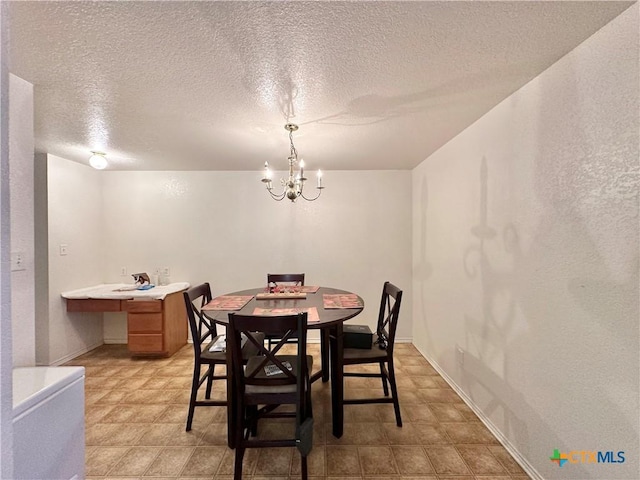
x,y
109,291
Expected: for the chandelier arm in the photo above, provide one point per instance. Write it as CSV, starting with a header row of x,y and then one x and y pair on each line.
x,y
278,197
314,198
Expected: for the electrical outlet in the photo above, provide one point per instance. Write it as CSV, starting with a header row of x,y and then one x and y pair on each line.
x,y
123,271
17,261
165,271
460,355
63,249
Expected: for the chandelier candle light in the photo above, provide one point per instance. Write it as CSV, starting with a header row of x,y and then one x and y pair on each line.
x,y
292,187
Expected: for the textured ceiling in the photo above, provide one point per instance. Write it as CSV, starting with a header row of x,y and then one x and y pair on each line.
x,y
210,85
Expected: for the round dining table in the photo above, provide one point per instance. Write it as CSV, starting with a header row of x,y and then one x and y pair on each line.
x,y
329,322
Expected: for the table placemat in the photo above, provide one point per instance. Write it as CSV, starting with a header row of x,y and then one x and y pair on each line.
x,y
309,289
312,312
228,302
273,296
350,300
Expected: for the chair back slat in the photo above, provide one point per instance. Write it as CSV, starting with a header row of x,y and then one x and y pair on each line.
x,y
285,327
388,314
202,329
291,278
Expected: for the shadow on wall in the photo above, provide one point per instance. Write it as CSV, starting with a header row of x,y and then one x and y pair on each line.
x,y
578,299
424,269
493,337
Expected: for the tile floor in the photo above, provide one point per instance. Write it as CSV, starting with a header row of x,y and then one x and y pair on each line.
x,y
136,412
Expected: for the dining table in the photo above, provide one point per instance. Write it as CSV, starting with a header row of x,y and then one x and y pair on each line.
x,y
329,320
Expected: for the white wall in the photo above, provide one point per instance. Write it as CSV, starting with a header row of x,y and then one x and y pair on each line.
x,y
525,255
74,218
21,146
222,227
6,359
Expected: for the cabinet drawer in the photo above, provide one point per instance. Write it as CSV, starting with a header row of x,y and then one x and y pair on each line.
x,y
145,322
145,343
144,306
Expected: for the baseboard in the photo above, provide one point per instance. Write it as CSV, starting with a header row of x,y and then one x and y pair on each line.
x,y
115,341
526,466
73,355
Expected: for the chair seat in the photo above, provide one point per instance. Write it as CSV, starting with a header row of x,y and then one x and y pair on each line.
x,y
255,362
248,350
365,354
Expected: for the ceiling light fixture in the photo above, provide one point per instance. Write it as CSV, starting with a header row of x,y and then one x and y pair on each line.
x,y
98,160
292,187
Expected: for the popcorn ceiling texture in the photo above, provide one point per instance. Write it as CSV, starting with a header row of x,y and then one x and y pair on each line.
x,y
210,85
525,252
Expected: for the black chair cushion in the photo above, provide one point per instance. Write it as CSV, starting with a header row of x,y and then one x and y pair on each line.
x,y
369,354
254,362
248,350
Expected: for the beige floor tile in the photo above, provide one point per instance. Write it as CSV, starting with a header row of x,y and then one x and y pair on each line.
x,y
446,412
494,477
506,460
112,397
419,370
170,462
480,460
99,460
204,461
130,384
412,460
439,395
228,461
161,397
91,397
134,462
103,434
408,434
432,435
177,413
426,382
139,406
469,433
168,434
94,413
316,462
275,461
342,461
446,460
215,434
357,434
133,414
420,414
377,461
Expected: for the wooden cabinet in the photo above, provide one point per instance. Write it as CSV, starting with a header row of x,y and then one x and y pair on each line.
x,y
156,327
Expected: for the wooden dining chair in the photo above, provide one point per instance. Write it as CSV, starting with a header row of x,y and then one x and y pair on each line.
x,y
286,278
280,279
297,279
268,380
204,334
381,351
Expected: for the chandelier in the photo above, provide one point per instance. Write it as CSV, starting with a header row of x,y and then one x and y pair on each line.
x,y
292,187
